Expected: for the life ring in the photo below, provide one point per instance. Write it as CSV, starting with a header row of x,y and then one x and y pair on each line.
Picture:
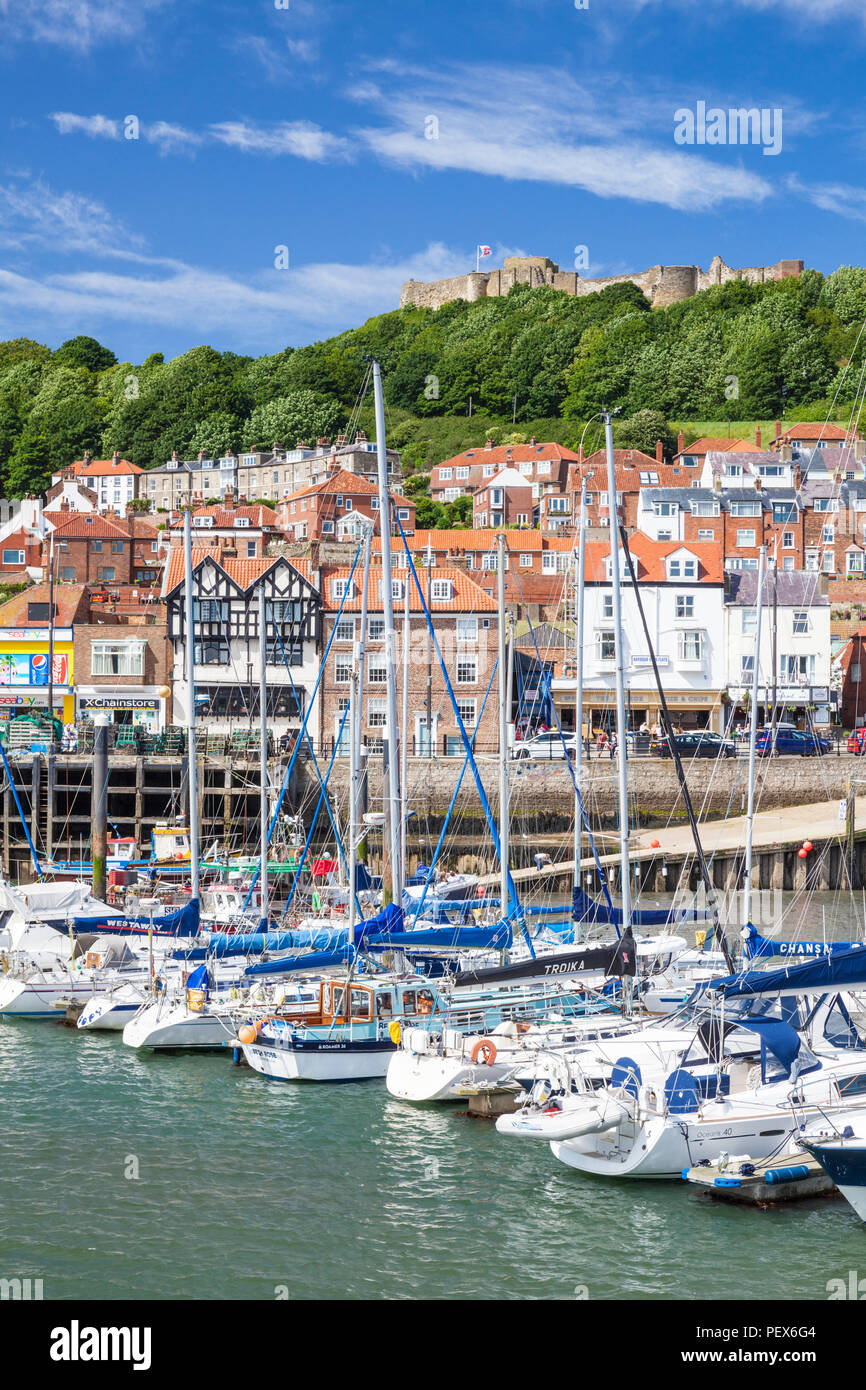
x,y
395,1032
485,1049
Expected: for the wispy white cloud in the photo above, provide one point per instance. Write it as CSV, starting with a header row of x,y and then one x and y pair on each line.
x,y
303,139
844,199
75,24
272,304
502,122
97,127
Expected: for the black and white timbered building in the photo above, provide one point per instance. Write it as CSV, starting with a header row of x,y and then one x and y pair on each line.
x,y
227,647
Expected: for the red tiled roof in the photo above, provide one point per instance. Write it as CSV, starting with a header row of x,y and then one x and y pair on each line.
x,y
99,467
70,601
813,431
339,481
723,445
628,471
227,519
652,555
91,525
502,455
243,572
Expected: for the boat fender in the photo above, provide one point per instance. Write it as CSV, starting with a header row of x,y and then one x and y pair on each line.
x,y
484,1049
248,1033
395,1032
195,1000
4,961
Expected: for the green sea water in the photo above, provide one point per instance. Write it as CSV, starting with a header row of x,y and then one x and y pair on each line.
x,y
130,1175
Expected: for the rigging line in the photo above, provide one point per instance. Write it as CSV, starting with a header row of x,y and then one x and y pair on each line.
x,y
323,796
675,754
453,800
600,871
323,785
488,814
306,719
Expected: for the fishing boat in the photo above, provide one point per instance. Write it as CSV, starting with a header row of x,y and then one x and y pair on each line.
x,y
350,1035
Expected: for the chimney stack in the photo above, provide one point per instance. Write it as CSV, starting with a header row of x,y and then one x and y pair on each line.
x,y
797,477
786,452
717,482
659,451
758,435
681,442
87,456
778,428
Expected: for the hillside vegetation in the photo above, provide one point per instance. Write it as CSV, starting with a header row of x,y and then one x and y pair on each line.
x,y
534,362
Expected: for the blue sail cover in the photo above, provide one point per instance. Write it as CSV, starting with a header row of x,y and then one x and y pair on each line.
x,y
183,922
313,960
586,909
757,947
845,969
499,937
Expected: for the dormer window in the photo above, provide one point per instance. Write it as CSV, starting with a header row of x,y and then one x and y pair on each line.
x,y
442,590
242,521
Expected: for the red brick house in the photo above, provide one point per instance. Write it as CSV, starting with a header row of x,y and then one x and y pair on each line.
x,y
106,550
328,510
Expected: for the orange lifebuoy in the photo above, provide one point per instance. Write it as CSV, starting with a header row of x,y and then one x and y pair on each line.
x,y
485,1049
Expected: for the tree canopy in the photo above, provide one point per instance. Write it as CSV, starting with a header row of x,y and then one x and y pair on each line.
x,y
534,361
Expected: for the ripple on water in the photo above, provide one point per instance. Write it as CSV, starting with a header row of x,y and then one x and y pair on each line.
x,y
342,1192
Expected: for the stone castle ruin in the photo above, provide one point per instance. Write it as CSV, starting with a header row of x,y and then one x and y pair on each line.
x,y
662,284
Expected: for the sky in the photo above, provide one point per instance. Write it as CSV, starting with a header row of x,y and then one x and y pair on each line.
x,y
266,173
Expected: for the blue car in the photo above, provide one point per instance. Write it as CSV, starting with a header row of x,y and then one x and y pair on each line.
x,y
794,741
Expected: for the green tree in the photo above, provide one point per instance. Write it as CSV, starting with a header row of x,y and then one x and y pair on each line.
x,y
29,468
299,415
85,352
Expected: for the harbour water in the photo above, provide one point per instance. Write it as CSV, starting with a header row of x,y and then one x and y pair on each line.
x,y
128,1175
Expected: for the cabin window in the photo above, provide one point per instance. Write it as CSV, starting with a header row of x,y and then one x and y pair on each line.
x,y
384,1005
360,1003
410,1001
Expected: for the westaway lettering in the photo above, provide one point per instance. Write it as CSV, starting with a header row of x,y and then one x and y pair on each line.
x,y
77,1343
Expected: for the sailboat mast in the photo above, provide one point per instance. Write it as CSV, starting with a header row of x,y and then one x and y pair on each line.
x,y
504,751
192,765
392,792
354,762
753,733
263,762
619,645
404,736
578,692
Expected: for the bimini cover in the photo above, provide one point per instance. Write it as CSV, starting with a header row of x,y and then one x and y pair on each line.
x,y
844,969
777,1038
757,947
199,979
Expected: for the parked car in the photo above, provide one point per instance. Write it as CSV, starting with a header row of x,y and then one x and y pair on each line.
x,y
795,741
857,742
703,743
545,746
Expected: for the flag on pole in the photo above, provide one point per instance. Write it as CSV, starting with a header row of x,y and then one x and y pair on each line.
x,y
481,254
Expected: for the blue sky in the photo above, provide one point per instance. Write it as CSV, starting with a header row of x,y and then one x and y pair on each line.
x,y
304,123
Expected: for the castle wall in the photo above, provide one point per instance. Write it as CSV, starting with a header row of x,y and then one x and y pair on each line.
x,y
661,284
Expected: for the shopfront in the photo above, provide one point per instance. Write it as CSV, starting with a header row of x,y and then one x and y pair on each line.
x,y
24,684
688,710
141,706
